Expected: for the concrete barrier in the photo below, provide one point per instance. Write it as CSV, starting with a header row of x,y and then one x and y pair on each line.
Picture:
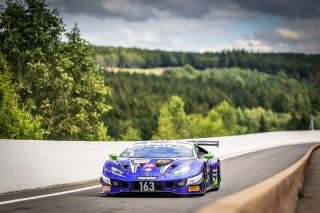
x,y
28,164
37,164
276,194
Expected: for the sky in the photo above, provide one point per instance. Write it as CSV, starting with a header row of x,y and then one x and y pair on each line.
x,y
197,25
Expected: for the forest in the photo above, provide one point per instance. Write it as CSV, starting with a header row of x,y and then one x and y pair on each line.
x,y
57,86
259,101
263,85
296,65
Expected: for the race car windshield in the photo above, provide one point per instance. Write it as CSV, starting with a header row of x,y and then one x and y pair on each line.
x,y
158,151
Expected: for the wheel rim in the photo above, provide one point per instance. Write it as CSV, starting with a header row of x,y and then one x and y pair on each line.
x,y
204,179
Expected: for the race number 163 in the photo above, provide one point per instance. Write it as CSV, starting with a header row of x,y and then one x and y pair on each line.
x,y
146,186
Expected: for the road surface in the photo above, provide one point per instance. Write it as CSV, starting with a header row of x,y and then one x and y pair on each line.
x,y
237,173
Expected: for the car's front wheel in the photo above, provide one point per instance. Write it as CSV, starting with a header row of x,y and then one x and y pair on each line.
x,y
204,181
216,184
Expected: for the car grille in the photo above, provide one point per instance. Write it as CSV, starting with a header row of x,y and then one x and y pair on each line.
x,y
123,184
169,184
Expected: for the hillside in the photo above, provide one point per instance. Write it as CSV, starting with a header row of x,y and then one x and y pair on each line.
x,y
300,66
138,97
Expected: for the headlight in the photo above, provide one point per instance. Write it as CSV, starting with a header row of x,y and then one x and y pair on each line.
x,y
195,180
181,171
106,179
116,171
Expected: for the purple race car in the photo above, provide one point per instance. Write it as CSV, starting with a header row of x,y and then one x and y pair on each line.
x,y
181,167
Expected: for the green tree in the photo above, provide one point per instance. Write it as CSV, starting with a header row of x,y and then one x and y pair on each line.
x,y
263,124
139,97
229,117
173,122
30,33
15,123
262,120
210,126
83,92
131,134
216,122
249,119
317,121
59,78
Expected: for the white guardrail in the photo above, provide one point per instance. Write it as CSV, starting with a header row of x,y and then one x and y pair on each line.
x,y
30,164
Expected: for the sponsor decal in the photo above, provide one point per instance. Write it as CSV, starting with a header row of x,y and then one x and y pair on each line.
x,y
106,188
191,181
148,169
194,188
172,144
149,165
146,178
163,161
159,144
141,161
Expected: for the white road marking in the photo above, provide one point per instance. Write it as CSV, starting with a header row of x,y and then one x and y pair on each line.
x,y
48,195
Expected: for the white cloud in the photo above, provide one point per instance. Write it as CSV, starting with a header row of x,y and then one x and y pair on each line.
x,y
312,48
242,44
167,33
290,34
148,37
217,30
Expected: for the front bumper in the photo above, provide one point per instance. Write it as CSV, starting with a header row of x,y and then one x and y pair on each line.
x,y
173,186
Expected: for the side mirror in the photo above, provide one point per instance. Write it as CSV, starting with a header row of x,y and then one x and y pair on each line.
x,y
208,156
113,156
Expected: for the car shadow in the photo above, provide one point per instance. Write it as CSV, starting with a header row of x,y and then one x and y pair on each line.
x,y
149,195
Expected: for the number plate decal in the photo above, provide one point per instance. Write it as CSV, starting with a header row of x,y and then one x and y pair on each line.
x,y
106,188
193,188
146,186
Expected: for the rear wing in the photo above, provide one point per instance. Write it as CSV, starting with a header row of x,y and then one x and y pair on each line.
x,y
205,142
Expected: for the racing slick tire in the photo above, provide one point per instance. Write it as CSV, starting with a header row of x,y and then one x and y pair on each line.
x,y
204,180
217,187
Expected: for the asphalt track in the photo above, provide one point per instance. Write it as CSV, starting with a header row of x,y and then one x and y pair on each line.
x,y
237,173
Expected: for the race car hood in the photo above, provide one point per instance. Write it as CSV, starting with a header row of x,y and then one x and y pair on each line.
x,y
133,168
139,165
